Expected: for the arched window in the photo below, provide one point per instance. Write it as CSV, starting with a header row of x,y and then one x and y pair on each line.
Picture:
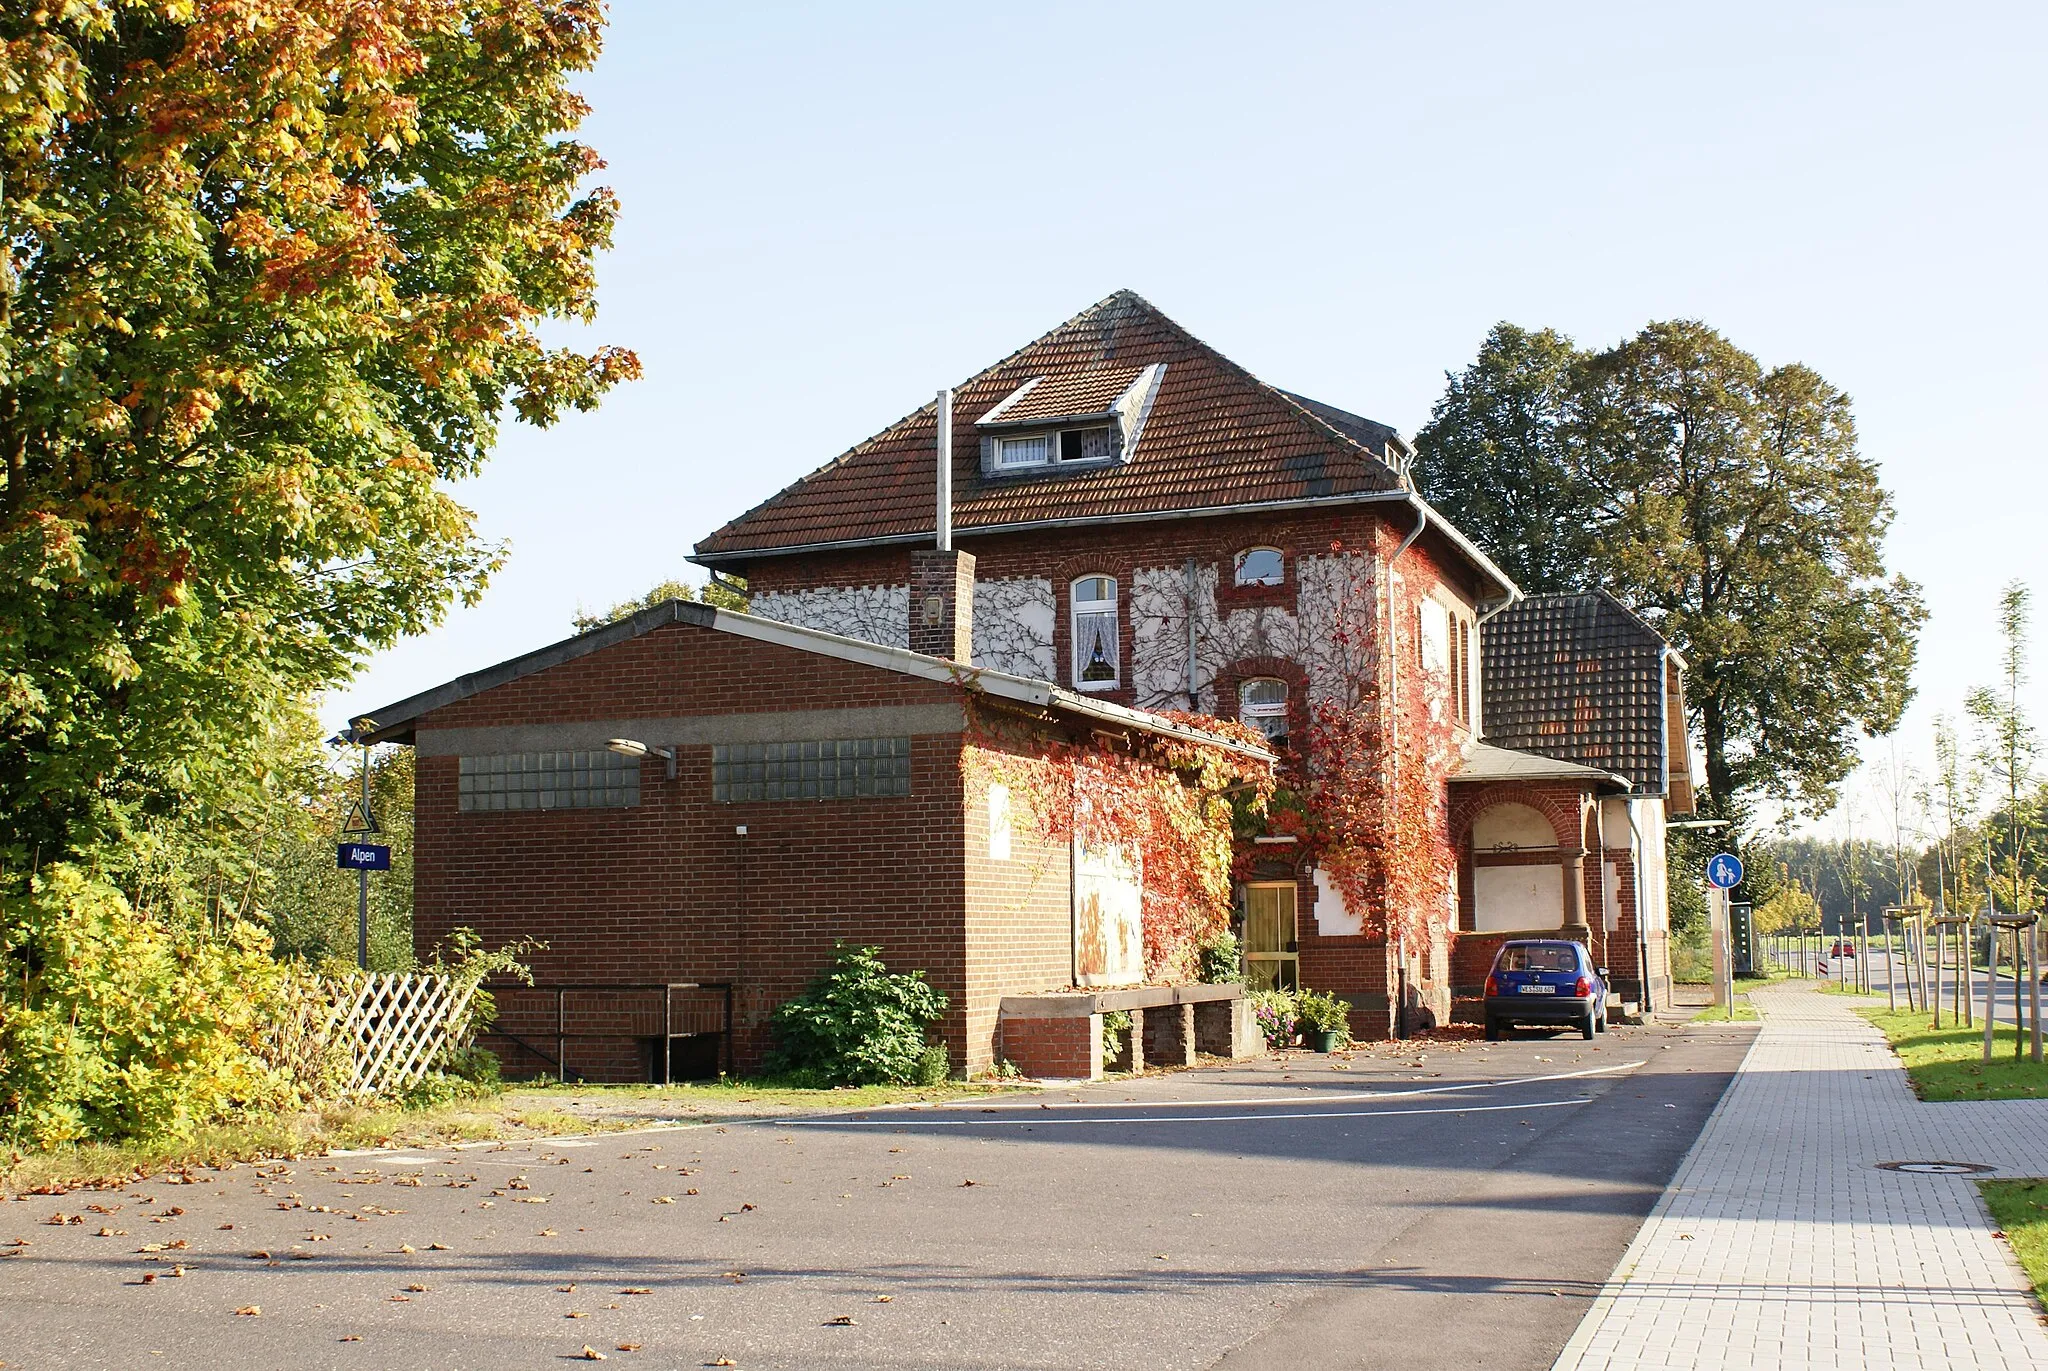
x,y
1262,704
1261,566
1095,639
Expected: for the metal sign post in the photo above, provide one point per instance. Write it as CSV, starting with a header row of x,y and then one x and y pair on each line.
x,y
362,857
1724,873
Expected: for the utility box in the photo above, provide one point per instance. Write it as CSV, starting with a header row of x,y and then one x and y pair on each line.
x,y
1742,936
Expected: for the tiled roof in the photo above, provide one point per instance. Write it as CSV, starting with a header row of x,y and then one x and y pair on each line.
x,y
1216,437
1058,397
1578,678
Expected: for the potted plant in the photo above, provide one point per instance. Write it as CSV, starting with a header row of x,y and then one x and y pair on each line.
x,y
1325,1020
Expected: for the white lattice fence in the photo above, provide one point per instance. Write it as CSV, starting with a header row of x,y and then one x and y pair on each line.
x,y
395,1025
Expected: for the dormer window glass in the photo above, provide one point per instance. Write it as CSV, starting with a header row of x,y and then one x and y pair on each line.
x,y
1030,450
1088,444
1095,635
1261,566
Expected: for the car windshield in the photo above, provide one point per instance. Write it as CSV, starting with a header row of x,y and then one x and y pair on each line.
x,y
1538,959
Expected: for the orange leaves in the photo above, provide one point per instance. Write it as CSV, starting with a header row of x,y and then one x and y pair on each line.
x,y
1159,807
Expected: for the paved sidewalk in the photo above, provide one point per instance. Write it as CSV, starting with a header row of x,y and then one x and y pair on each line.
x,y
1780,1244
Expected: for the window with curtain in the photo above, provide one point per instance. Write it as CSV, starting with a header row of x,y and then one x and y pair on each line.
x,y
1095,640
1262,704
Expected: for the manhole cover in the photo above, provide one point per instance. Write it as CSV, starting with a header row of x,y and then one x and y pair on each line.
x,y
1937,1168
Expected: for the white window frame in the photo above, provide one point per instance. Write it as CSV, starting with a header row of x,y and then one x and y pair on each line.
x,y
1004,442
1059,442
1250,712
1077,607
1278,580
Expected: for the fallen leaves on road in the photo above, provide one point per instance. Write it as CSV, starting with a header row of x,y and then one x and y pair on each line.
x,y
884,1299
589,1353
663,1199
638,1290
843,1321
249,1311
575,1314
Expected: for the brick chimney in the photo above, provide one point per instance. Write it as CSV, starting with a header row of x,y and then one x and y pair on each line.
x,y
942,578
942,604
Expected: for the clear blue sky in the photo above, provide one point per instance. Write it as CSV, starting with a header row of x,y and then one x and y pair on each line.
x,y
831,210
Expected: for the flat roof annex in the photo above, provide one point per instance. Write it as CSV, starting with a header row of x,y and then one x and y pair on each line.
x,y
395,722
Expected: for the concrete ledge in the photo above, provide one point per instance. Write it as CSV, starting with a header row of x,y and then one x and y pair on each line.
x,y
1061,1004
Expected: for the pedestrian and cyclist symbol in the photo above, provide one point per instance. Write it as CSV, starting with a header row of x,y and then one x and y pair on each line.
x,y
1724,871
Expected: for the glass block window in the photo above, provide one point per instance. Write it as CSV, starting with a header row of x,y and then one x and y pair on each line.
x,y
841,769
597,779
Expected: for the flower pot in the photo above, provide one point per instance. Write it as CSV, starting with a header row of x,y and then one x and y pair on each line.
x,y
1322,1041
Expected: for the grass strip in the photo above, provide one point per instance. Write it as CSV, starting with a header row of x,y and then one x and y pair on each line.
x,y
2021,1209
1742,1011
519,1112
1949,1064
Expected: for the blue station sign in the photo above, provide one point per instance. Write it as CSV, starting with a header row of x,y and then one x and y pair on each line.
x,y
362,857
1724,871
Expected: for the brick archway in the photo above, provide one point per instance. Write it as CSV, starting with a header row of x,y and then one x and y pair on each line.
x,y
1470,802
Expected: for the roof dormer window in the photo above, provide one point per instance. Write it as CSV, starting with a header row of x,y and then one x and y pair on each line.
x,y
1088,444
1026,450
1082,419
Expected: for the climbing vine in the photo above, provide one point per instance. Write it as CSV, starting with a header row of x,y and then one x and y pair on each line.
x,y
1164,805
1364,791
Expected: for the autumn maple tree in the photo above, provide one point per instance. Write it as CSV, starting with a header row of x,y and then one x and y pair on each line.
x,y
273,272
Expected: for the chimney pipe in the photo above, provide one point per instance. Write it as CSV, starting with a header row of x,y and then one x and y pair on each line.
x,y
945,521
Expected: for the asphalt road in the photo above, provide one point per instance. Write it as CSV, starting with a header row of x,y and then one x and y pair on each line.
x,y
1457,1207
1883,968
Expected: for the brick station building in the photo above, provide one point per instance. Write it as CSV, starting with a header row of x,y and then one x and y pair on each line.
x,y
1116,517
797,789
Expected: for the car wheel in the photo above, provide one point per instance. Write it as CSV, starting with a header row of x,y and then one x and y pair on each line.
x,y
1600,1024
1586,1028
1493,1030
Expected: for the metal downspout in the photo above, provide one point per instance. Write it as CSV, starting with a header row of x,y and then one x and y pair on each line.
x,y
1398,1019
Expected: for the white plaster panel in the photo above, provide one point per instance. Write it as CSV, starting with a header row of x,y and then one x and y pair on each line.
x,y
874,614
1509,898
1334,918
1328,633
1511,828
1013,623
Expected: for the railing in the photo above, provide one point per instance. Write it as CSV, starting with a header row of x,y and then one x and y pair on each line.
x,y
625,1015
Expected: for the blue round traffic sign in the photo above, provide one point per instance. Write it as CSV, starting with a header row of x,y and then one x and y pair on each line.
x,y
1724,871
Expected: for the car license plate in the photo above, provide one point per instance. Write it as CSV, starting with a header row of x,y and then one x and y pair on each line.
x,y
1539,990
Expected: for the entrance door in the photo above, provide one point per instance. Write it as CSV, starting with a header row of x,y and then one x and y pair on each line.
x,y
1270,950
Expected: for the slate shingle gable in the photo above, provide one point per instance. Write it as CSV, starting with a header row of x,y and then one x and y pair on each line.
x,y
1579,678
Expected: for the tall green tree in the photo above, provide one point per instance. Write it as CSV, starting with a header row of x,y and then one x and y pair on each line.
x,y
2008,749
717,594
1727,503
273,272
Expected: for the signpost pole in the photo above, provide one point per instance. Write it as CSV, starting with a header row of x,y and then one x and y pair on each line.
x,y
363,876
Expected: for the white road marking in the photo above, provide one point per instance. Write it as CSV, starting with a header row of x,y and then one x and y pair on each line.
x,y
1041,1106
1134,1119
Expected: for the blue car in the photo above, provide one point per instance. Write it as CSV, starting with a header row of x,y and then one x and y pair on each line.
x,y
1546,981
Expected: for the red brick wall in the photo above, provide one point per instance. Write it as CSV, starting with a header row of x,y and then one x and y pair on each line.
x,y
1019,912
667,891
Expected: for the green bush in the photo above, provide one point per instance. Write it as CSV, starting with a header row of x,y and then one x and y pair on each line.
x,y
1219,959
933,1065
858,1024
1115,1024
118,1025
1321,1012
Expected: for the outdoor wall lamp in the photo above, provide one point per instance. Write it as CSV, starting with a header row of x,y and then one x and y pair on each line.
x,y
629,747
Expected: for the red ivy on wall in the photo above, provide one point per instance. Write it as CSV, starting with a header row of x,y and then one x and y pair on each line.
x,y
1365,790
1165,805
